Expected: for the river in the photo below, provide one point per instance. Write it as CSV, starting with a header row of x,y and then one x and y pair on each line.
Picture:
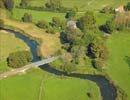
x,y
108,91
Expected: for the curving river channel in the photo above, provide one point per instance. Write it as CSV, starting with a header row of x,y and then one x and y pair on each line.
x,y
108,91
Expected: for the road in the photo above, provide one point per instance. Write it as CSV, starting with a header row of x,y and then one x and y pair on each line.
x,y
25,68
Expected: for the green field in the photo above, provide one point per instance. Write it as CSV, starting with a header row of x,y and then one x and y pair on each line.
x,y
28,87
118,64
37,15
82,4
9,43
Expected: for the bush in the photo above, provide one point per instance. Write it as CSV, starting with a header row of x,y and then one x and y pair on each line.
x,y
56,22
1,23
110,26
19,59
42,24
51,30
27,17
99,64
9,4
107,10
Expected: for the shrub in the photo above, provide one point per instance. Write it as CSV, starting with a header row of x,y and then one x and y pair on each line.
x,y
27,17
107,10
19,59
99,64
42,24
110,26
50,30
1,23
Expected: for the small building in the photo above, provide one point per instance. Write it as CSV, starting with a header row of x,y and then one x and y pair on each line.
x,y
120,9
71,24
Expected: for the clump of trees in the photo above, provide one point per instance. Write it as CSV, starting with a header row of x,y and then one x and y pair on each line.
x,y
127,7
107,10
27,17
87,22
19,59
1,23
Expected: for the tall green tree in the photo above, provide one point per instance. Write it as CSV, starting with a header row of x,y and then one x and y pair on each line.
x,y
87,22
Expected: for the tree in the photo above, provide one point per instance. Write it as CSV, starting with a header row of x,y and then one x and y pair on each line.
x,y
87,22
19,59
1,23
24,3
53,4
56,22
9,4
110,26
27,17
70,14
127,7
42,24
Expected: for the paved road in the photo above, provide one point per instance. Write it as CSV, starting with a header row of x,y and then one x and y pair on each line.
x,y
25,68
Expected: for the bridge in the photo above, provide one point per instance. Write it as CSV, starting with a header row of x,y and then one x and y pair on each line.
x,y
27,67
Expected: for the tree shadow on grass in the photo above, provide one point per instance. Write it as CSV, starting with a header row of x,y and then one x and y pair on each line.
x,y
127,59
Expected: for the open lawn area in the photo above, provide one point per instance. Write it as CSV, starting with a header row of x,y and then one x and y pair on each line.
x,y
119,63
39,84
8,44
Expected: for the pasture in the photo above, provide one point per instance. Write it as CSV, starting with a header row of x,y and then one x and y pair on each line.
x,y
52,88
118,62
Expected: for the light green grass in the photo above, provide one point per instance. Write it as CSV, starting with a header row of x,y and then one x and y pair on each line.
x,y
8,44
118,67
27,87
82,4
36,15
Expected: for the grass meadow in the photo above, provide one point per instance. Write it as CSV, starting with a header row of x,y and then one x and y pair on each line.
x,y
39,85
118,63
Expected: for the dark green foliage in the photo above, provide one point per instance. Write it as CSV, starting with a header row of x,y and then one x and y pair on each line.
x,y
87,22
110,26
96,50
42,24
9,4
127,7
19,59
1,23
70,14
27,17
24,3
